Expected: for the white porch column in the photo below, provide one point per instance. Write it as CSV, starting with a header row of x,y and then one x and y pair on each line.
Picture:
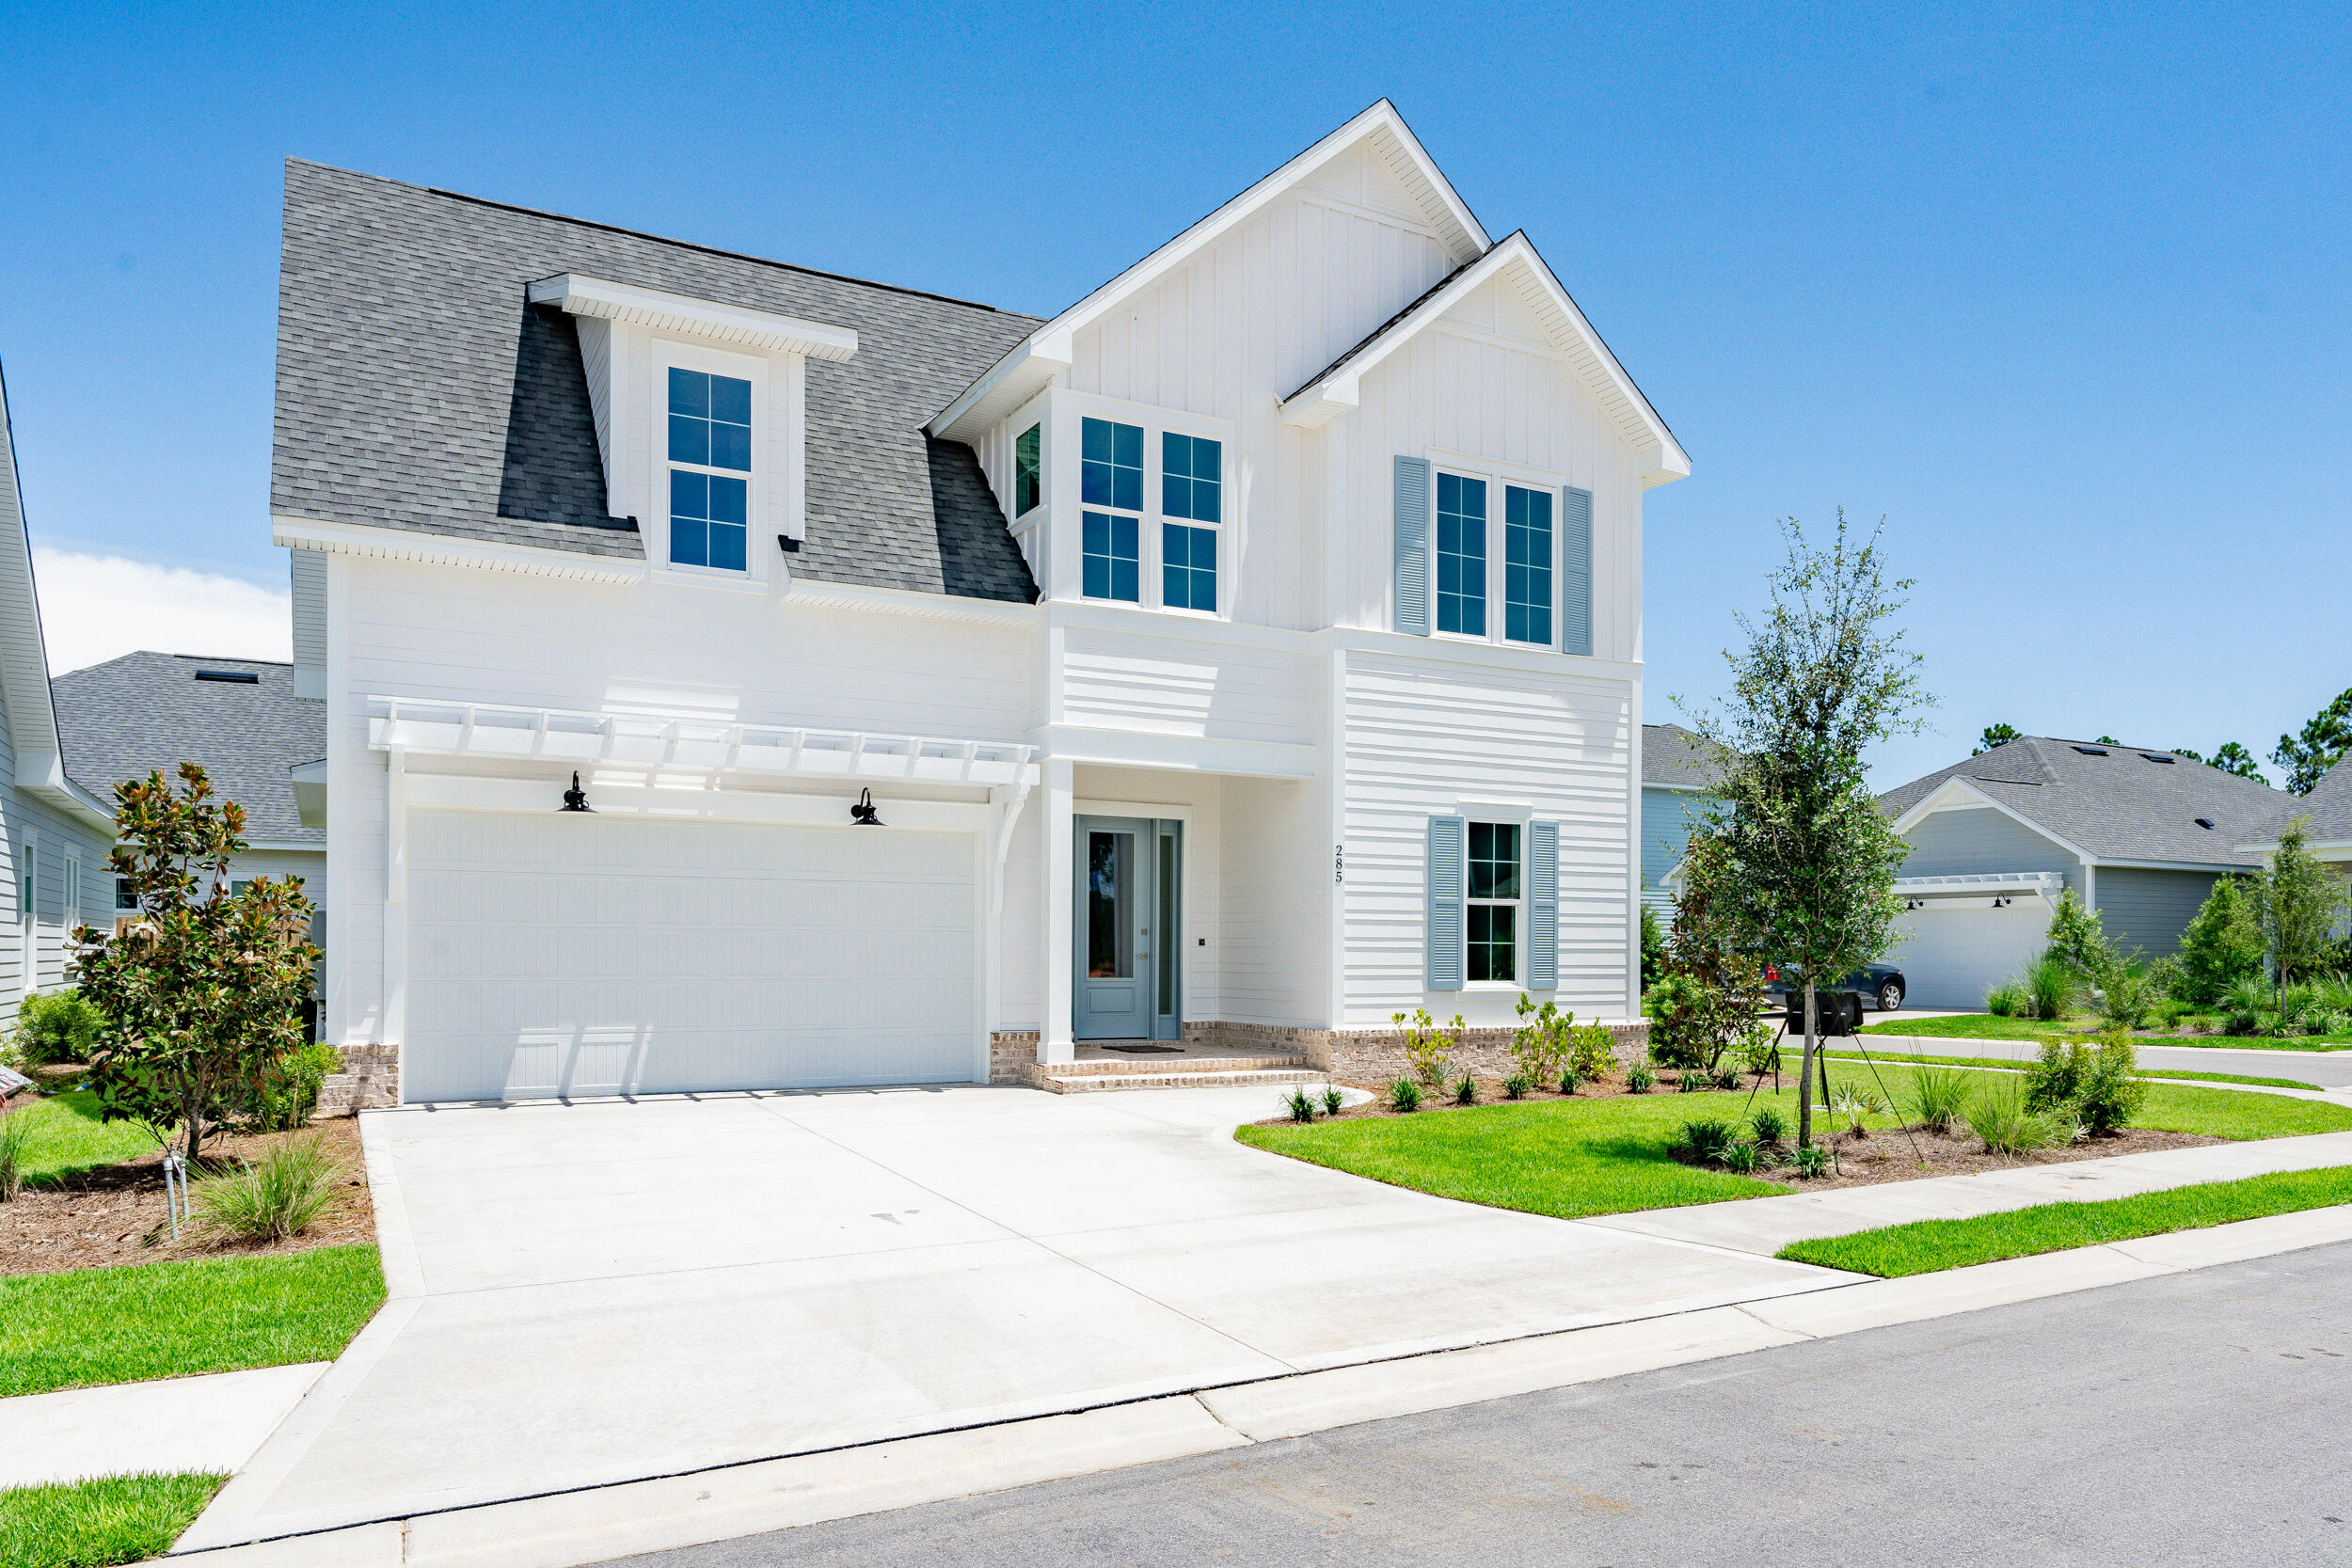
x,y
1055,896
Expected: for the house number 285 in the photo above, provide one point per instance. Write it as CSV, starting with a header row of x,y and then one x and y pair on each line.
x,y
1339,863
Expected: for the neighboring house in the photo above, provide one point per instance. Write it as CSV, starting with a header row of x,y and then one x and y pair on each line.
x,y
2138,834
55,834
1677,775
149,712
2326,817
1242,655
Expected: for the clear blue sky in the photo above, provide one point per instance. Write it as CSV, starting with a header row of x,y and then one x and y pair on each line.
x,y
2066,293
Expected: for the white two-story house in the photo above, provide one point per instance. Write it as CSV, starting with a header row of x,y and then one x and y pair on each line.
x,y
1242,655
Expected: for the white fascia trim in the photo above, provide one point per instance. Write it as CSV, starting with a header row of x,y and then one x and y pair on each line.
x,y
1450,217
1183,753
2343,848
2215,866
1960,794
1677,789
2030,882
1658,458
699,318
904,601
1028,369
43,774
284,846
391,544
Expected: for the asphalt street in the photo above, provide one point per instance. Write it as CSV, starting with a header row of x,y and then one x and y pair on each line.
x,y
2199,1417
2323,1070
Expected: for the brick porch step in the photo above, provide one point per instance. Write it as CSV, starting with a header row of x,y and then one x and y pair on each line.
x,y
1057,1080
1155,1064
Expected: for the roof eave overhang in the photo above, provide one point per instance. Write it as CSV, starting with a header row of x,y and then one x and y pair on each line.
x,y
1033,364
700,318
442,549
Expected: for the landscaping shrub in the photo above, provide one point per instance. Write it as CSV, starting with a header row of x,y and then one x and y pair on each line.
x,y
2107,1091
1810,1161
1301,1107
1653,948
1515,1086
1707,1137
2055,1076
1333,1101
272,1198
1404,1095
2126,999
1466,1090
1998,1116
2050,983
1567,1081
1427,1047
1740,1157
2078,938
1852,1103
2222,945
1674,1007
1772,1128
56,1027
2332,1021
288,1090
1541,1045
15,1135
1691,1082
2007,1000
1593,1053
1939,1096
1639,1079
1727,1076
1759,1050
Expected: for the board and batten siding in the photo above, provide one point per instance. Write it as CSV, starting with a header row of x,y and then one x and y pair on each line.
x,y
1183,684
1424,740
1275,906
416,630
2145,910
1979,841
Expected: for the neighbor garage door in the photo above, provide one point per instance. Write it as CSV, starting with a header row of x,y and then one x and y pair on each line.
x,y
584,955
1954,951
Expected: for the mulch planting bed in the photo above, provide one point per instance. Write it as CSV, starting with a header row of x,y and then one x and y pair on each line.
x,y
117,1214
1886,1154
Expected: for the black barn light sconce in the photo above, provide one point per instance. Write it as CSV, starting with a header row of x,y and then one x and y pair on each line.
x,y
576,799
863,813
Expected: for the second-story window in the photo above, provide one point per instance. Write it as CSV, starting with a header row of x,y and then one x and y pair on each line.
x,y
1027,472
1527,564
1111,477
1461,555
1192,487
711,465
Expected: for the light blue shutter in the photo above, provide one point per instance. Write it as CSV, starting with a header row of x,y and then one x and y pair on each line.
x,y
1412,545
1543,906
1576,571
1448,846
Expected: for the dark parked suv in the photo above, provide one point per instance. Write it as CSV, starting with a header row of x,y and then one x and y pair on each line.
x,y
1879,985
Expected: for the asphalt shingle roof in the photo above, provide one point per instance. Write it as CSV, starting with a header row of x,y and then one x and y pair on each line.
x,y
417,389
147,712
2119,805
2328,807
1673,756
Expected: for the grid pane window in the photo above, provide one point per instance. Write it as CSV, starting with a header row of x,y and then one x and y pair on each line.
x,y
1525,564
1113,567
1111,464
1188,566
1025,472
1462,555
1191,476
708,519
1494,909
710,421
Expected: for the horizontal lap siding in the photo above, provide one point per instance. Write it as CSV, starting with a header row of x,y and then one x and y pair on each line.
x,y
2147,910
1168,685
1424,738
1667,818
1979,841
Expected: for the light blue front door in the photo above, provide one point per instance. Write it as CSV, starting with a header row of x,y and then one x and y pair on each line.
x,y
1125,930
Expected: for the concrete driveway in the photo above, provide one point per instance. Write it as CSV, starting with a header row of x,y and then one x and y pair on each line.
x,y
600,1293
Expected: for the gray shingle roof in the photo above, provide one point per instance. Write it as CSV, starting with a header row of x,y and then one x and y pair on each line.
x,y
147,712
416,389
2118,806
1673,756
2328,807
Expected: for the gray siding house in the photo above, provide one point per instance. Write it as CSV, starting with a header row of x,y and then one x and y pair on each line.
x,y
2138,834
1676,776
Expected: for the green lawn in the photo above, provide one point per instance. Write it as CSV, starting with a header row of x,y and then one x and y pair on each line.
x,y
65,1137
1925,1246
2012,1065
1990,1026
86,1524
1571,1157
170,1319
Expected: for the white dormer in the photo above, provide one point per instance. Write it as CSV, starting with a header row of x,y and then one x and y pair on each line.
x,y
700,421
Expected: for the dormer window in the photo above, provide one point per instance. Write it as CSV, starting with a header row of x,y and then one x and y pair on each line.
x,y
710,466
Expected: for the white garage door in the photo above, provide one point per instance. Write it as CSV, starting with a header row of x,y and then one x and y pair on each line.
x,y
1953,955
581,955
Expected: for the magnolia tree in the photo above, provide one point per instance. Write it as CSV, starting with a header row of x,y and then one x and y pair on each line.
x,y
200,995
1801,863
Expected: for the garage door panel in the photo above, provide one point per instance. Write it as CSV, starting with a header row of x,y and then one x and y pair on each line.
x,y
584,956
1952,953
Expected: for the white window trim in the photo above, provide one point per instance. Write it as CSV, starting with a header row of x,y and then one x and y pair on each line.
x,y
668,353
1498,476
1516,906
1150,556
69,886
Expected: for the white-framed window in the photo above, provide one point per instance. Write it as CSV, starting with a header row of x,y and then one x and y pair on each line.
x,y
28,878
71,890
1028,471
126,896
1496,554
1497,889
711,488
1151,502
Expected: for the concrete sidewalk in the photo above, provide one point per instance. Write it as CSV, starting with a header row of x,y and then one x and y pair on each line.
x,y
208,1424
2327,1069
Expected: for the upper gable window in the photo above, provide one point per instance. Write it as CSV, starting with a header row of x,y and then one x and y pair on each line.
x,y
1112,467
710,469
1527,565
1461,555
1152,536
1192,476
1027,471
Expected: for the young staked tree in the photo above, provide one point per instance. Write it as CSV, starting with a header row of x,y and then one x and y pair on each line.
x,y
201,995
2298,904
1805,872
